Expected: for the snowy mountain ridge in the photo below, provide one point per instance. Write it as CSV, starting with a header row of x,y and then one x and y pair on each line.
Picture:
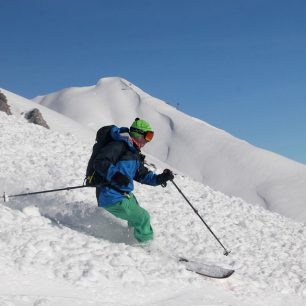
x,y
206,153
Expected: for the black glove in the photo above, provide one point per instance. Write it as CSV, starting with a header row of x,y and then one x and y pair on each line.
x,y
120,179
164,177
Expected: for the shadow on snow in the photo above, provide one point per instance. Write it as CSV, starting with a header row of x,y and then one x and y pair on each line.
x,y
82,217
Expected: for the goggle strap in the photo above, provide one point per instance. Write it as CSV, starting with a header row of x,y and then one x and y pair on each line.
x,y
133,129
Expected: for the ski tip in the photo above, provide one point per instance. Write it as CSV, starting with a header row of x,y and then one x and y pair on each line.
x,y
223,276
212,271
230,273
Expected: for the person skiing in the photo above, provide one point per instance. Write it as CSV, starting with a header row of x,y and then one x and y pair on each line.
x,y
119,163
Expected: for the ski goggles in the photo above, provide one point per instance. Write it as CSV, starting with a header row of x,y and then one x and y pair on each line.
x,y
148,135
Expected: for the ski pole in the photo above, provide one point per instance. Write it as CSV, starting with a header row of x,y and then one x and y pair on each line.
x,y
226,252
6,197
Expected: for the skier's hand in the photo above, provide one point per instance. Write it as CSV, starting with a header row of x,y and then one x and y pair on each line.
x,y
120,179
163,178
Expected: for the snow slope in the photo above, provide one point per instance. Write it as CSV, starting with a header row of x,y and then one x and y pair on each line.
x,y
57,122
207,154
60,249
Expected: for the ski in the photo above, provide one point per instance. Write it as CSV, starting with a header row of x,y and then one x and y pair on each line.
x,y
212,271
207,270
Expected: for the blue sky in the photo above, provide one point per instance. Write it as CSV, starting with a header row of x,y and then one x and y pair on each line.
x,y
239,65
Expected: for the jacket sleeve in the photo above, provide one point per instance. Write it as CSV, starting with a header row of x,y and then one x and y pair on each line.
x,y
105,162
145,176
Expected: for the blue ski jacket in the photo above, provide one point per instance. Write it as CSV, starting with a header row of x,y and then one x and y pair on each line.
x,y
120,155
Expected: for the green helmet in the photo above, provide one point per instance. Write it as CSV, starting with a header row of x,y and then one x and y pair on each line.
x,y
139,127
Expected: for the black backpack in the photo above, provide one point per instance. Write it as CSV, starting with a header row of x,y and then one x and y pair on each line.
x,y
103,137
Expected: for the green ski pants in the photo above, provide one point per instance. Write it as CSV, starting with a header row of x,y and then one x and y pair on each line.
x,y
128,209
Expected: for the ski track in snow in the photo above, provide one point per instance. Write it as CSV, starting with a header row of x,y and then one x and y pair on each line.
x,y
64,238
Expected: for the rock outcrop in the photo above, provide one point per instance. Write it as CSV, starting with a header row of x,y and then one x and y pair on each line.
x,y
35,116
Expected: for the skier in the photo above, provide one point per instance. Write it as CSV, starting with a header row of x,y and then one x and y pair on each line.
x,y
120,162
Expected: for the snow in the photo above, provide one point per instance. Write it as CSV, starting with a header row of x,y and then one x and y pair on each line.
x,y
197,149
61,249
20,106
